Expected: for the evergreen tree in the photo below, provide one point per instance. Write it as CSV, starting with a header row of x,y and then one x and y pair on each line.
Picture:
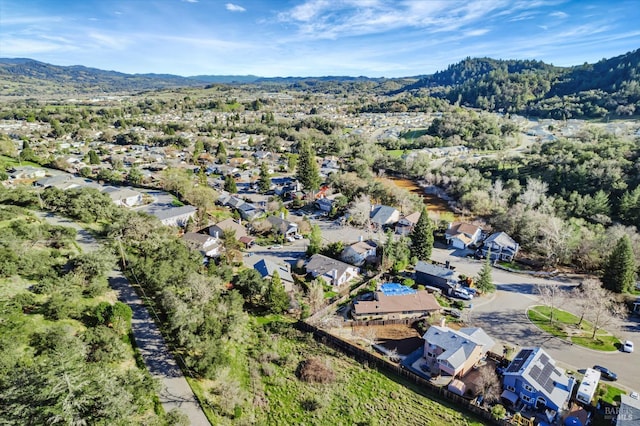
x,y
264,181
135,176
315,240
422,237
308,172
230,184
93,157
277,299
484,281
619,272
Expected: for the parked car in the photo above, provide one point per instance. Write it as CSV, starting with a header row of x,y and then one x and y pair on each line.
x,y
634,395
605,373
627,346
462,294
277,246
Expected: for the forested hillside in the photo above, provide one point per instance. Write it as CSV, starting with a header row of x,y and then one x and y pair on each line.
x,y
21,77
608,87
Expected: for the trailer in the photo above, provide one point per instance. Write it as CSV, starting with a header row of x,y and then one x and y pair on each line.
x,y
588,386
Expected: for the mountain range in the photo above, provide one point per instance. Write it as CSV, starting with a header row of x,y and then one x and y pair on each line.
x,y
610,86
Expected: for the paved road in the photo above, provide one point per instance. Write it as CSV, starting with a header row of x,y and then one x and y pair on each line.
x,y
503,316
175,392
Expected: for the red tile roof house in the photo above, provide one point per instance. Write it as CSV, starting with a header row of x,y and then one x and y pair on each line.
x,y
461,235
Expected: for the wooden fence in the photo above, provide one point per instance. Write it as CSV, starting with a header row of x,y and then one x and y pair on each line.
x,y
372,360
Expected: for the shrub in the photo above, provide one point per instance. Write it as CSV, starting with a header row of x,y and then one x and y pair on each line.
x,y
498,412
315,370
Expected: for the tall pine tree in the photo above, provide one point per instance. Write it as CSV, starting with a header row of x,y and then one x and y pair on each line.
x,y
422,237
308,173
277,299
619,272
484,281
264,181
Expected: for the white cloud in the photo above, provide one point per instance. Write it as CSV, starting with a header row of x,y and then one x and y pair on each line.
x,y
235,8
190,1
476,33
558,14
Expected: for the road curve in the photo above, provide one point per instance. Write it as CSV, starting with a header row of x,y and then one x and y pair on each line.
x,y
175,392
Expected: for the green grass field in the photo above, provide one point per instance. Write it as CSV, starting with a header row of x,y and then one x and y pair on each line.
x,y
565,326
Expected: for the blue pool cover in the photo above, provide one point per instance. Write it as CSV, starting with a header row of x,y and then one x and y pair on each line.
x,y
395,289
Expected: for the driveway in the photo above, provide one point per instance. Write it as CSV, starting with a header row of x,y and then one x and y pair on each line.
x,y
175,392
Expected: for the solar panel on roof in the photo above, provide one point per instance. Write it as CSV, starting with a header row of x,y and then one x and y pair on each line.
x,y
544,359
535,373
519,361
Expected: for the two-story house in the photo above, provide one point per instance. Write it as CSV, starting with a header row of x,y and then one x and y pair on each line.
x,y
395,301
455,352
534,379
359,252
206,244
501,246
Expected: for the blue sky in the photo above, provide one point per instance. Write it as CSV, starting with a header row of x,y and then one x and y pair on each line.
x,y
313,37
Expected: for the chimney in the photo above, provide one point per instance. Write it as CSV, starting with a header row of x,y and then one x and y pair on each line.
x,y
361,238
449,225
240,221
282,215
443,322
447,264
216,234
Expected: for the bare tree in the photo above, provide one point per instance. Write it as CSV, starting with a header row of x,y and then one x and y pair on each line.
x,y
315,295
488,384
551,296
554,237
360,211
598,305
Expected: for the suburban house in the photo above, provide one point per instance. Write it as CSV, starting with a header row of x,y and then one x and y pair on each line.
x,y
266,268
228,225
125,197
534,379
62,182
405,224
359,252
27,172
395,301
461,235
455,352
282,226
501,245
174,216
249,211
205,244
323,204
331,270
431,275
629,411
382,216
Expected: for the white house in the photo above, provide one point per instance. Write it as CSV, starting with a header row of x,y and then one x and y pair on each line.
x,y
125,197
206,244
461,235
358,253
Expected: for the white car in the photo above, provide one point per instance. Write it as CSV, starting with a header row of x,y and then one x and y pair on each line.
x,y
627,346
634,395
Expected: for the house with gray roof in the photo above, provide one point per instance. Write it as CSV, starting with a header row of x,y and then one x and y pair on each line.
x,y
384,215
455,352
205,244
174,216
331,270
501,246
534,380
123,196
282,226
444,279
266,268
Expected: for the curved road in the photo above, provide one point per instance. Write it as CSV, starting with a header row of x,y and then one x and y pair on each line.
x,y
503,316
175,392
